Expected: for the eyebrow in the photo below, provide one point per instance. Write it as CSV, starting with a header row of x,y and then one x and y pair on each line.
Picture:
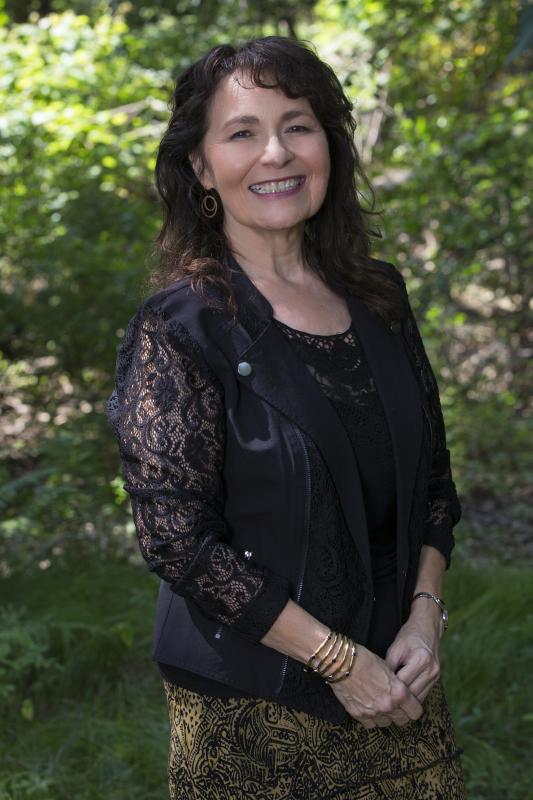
x,y
250,120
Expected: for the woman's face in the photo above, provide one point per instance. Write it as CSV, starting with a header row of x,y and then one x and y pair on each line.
x,y
255,138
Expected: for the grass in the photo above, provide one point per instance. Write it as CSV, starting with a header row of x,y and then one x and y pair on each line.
x,y
84,710
92,723
488,661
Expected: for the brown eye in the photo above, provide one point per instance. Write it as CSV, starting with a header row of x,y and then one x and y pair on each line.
x,y
236,135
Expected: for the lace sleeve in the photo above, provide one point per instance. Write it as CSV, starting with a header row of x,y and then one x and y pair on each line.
x,y
443,507
168,415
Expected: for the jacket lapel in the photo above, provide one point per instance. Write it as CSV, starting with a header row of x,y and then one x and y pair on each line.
x,y
399,393
281,379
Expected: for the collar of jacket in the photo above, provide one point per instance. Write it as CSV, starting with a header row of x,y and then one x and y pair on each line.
x,y
281,378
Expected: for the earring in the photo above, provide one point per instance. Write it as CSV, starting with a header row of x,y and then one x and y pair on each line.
x,y
209,205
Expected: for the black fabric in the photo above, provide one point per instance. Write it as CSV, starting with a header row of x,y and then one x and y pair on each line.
x,y
322,703
338,364
169,418
170,412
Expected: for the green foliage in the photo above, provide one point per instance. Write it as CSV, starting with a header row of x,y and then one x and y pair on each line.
x,y
23,656
443,100
86,715
492,455
487,658
57,639
444,116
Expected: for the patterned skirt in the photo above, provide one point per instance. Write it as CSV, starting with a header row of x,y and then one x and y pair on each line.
x,y
237,748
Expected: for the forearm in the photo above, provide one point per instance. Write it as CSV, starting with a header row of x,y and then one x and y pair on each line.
x,y
430,575
296,633
431,569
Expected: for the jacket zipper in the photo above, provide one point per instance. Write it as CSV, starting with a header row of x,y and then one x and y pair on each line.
x,y
306,533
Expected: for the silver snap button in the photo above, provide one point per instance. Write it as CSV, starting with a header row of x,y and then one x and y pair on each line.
x,y
395,327
247,553
244,368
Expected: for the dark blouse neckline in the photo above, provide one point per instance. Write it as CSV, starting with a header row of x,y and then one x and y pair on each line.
x,y
314,335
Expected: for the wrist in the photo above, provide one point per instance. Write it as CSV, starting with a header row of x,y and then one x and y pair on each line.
x,y
429,606
335,663
296,633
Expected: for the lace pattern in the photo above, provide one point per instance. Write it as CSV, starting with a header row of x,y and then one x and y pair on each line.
x,y
168,414
443,508
335,585
340,367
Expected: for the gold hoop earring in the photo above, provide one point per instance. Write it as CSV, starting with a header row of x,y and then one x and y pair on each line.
x,y
209,205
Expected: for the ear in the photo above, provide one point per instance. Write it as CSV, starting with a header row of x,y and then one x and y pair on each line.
x,y
198,167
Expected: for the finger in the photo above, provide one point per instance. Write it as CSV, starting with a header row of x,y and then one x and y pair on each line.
x,y
383,721
365,723
421,662
407,701
399,717
422,686
412,670
426,676
404,721
368,717
394,658
412,707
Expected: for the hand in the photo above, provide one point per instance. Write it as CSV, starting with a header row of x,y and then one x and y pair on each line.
x,y
374,695
414,654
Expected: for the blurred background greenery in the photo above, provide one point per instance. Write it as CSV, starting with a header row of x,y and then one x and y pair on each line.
x,y
443,97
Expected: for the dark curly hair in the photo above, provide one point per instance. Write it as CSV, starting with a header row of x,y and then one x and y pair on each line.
x,y
337,239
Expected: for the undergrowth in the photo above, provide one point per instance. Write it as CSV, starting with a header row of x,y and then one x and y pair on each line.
x,y
83,708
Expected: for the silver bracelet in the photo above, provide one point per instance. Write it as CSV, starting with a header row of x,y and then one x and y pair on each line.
x,y
439,601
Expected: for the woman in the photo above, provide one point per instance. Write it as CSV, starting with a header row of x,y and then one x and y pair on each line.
x,y
283,446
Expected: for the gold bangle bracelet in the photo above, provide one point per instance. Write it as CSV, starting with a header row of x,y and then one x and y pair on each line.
x,y
325,658
325,669
308,664
346,644
348,671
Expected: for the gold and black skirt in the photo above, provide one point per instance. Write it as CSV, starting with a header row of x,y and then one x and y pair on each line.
x,y
238,748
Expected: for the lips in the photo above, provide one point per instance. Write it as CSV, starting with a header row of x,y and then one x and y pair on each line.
x,y
276,180
277,186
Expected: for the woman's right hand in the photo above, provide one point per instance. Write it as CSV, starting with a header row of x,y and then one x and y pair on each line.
x,y
373,695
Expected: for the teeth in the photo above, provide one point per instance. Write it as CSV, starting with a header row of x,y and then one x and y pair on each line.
x,y
275,186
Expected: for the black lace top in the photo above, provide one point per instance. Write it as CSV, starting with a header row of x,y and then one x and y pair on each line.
x,y
338,363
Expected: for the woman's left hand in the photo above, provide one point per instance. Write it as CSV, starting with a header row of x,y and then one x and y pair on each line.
x,y
414,654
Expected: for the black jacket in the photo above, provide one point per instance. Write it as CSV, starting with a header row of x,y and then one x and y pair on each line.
x,y
226,528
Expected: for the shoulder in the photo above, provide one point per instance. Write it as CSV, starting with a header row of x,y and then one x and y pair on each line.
x,y
389,269
177,297
179,304
167,328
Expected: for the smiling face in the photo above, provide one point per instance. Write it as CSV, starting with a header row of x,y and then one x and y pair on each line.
x,y
267,156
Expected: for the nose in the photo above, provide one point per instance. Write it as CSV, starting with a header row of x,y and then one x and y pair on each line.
x,y
275,152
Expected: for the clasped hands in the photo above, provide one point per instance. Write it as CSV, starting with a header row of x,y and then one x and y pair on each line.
x,y
380,691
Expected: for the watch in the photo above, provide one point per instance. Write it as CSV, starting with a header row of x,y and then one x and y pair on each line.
x,y
438,601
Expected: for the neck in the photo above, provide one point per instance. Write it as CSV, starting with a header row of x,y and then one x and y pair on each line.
x,y
270,256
